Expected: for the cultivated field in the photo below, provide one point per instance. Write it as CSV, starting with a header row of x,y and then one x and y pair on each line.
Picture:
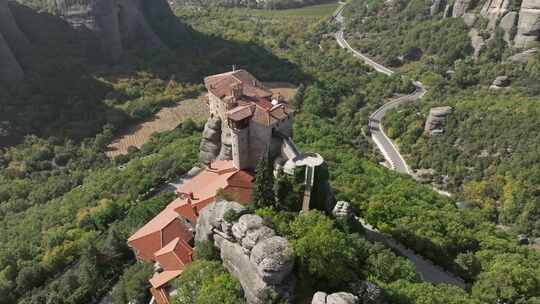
x,y
166,119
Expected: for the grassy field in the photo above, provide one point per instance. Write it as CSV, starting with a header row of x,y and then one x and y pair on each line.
x,y
315,11
166,119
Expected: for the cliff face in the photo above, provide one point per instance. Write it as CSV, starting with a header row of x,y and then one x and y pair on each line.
x,y
118,24
529,23
11,40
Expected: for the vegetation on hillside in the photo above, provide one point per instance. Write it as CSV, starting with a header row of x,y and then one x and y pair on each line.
x,y
67,245
488,155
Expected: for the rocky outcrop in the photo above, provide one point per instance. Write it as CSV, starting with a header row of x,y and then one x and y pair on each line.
x,y
529,23
508,24
493,10
364,293
435,120
11,41
343,210
335,298
469,19
523,57
250,250
10,70
118,24
436,7
477,41
461,7
500,82
211,140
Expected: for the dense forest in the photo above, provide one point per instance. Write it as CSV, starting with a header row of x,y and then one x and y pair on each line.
x,y
66,210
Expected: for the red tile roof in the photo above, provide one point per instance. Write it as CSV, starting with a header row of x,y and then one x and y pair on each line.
x,y
240,113
162,278
158,223
221,84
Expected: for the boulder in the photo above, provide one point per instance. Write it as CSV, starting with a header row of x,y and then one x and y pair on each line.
x,y
461,7
319,298
523,57
529,23
501,81
508,24
342,298
435,119
260,260
343,210
274,259
334,298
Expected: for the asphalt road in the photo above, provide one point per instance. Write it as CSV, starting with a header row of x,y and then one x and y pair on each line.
x,y
385,145
425,268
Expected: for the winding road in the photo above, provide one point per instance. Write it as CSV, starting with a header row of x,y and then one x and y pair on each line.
x,y
425,268
385,145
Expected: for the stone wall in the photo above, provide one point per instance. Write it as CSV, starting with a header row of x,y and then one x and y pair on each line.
x,y
251,251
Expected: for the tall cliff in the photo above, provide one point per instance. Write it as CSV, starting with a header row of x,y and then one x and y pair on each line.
x,y
520,23
121,24
11,41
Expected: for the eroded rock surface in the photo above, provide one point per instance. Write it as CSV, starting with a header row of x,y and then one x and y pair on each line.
x,y
251,251
461,7
493,10
118,24
11,40
529,23
211,140
435,119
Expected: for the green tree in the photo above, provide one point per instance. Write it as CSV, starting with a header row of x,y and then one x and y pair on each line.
x,y
263,186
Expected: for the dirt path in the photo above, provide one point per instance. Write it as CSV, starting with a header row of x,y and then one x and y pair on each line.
x,y
166,119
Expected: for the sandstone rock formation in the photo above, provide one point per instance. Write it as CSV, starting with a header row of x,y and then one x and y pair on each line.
x,y
11,41
477,41
461,7
364,293
500,82
469,19
436,7
118,24
507,24
211,140
524,56
435,120
10,70
529,23
251,251
493,10
335,298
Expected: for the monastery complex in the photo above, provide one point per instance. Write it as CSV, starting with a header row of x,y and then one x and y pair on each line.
x,y
248,121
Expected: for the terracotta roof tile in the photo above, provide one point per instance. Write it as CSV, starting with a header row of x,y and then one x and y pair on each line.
x,y
159,222
162,278
241,112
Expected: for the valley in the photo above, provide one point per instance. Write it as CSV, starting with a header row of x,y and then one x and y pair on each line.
x,y
68,203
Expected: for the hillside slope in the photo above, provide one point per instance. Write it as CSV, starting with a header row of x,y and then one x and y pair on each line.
x,y
470,60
